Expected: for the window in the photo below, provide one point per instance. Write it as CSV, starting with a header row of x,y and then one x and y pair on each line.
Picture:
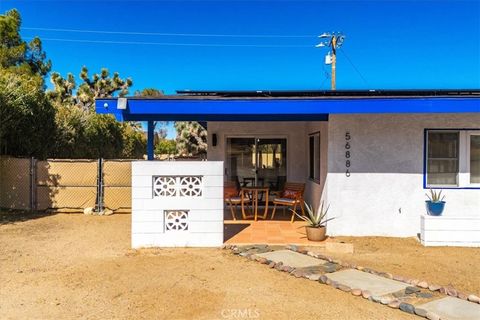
x,y
474,158
442,158
453,158
314,157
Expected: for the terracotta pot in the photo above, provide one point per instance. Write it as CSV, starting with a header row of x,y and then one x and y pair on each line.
x,y
316,234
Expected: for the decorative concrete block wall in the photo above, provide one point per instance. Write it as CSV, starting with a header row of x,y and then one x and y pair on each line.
x,y
450,231
177,204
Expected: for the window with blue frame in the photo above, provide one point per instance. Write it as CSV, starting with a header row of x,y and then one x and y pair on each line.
x,y
452,158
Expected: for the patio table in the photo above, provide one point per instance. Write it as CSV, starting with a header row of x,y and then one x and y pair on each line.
x,y
254,194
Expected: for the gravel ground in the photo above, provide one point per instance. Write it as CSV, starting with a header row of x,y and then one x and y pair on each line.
x,y
75,266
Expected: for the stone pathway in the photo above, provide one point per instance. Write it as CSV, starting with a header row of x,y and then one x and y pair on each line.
x,y
378,286
450,308
291,258
408,295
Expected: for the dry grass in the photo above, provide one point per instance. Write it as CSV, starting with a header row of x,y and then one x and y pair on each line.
x,y
75,266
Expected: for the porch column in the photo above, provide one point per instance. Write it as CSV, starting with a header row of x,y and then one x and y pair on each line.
x,y
150,139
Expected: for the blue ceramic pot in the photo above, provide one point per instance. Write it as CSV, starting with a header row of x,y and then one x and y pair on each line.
x,y
435,208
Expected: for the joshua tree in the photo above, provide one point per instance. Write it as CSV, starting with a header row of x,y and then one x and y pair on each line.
x,y
191,138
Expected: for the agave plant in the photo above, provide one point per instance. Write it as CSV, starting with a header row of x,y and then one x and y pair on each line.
x,y
315,219
435,196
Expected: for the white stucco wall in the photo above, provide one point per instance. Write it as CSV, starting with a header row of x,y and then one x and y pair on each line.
x,y
163,187
384,194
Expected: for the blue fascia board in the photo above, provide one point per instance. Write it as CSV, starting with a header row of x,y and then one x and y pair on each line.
x,y
279,109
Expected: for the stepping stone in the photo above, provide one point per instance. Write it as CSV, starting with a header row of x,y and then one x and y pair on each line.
x,y
292,259
378,286
450,308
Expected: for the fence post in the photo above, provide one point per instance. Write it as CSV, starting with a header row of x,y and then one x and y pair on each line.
x,y
100,186
33,184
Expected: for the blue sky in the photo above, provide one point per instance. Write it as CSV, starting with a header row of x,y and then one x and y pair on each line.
x,y
389,44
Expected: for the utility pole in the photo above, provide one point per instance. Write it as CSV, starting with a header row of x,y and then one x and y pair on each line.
x,y
333,41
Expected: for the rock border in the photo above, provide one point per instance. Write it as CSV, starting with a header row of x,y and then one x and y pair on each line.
x,y
394,300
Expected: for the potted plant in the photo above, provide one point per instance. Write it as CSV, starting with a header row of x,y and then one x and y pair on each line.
x,y
316,222
435,203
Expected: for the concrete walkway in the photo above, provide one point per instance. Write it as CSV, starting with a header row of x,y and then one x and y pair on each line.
x,y
292,259
378,286
375,286
450,308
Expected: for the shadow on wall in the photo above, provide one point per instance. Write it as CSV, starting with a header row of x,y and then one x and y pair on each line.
x,y
45,184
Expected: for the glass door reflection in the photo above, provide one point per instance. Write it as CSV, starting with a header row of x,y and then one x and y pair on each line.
x,y
257,162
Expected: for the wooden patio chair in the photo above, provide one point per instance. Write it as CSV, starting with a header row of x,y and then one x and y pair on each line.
x,y
291,196
233,196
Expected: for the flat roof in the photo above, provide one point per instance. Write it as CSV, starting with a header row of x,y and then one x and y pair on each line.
x,y
298,94
285,106
311,94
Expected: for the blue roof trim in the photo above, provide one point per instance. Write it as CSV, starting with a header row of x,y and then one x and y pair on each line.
x,y
279,109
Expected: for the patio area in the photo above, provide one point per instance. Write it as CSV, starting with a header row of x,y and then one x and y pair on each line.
x,y
279,231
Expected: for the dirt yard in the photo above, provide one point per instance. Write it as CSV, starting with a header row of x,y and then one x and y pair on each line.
x,y
75,266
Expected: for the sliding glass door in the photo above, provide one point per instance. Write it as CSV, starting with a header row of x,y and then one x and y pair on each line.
x,y
257,161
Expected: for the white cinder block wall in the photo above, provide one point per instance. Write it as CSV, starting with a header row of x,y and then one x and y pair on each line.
x,y
177,204
450,230
384,194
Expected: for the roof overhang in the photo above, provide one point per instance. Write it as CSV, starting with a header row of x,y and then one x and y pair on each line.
x,y
183,108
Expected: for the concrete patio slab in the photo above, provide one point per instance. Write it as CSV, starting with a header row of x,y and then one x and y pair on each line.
x,y
292,259
377,285
451,308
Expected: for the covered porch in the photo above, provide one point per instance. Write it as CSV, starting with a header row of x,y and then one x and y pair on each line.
x,y
265,139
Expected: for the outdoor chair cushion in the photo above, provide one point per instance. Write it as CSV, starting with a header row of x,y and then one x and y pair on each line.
x,y
237,199
286,201
230,191
290,194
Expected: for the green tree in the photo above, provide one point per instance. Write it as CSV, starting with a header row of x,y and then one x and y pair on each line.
x,y
191,138
134,142
15,53
27,125
166,146
149,92
84,133
62,93
60,123
100,85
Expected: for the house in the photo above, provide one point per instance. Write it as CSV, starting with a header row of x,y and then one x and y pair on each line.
x,y
371,155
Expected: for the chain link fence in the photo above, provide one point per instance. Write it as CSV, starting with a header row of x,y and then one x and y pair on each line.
x,y
117,185
65,185
16,183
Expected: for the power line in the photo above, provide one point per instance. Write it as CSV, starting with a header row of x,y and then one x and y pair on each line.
x,y
173,43
355,68
170,34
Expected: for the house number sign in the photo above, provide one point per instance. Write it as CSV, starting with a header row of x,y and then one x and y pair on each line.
x,y
348,153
